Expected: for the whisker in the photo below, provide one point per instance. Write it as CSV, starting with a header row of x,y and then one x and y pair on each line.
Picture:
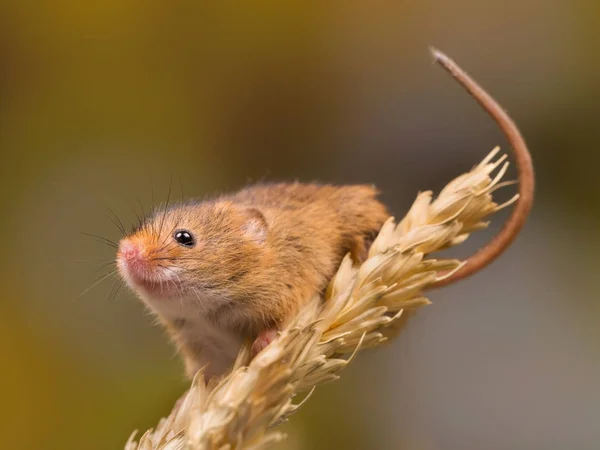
x,y
139,219
115,219
169,234
112,286
169,258
153,211
175,285
100,280
181,188
106,264
166,206
165,247
102,239
121,284
144,217
101,261
170,269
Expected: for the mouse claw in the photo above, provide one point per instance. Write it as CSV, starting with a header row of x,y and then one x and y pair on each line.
x,y
263,339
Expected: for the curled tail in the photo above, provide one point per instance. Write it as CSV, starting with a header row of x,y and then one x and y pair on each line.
x,y
526,176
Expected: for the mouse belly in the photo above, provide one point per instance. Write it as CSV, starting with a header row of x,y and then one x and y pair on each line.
x,y
207,346
204,342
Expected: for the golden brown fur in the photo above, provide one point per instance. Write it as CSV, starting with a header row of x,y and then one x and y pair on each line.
x,y
260,255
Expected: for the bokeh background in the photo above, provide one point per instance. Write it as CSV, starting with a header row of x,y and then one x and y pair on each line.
x,y
103,103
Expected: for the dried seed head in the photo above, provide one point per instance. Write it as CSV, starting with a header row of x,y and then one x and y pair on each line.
x,y
364,305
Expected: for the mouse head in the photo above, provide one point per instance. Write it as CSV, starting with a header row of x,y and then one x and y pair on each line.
x,y
193,256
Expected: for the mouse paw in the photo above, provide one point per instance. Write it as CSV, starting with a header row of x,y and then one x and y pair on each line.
x,y
264,338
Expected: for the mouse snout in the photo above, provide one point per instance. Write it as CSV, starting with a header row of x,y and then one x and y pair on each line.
x,y
130,251
136,261
132,255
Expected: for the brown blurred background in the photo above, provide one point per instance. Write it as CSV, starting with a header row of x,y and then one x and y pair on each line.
x,y
101,103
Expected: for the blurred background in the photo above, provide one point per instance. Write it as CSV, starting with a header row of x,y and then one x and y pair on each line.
x,y
102,103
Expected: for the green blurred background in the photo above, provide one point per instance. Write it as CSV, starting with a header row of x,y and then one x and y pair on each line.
x,y
101,103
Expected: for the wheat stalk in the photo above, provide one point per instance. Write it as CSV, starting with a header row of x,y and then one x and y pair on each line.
x,y
364,305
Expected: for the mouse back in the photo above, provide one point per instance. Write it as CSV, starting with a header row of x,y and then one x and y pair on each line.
x,y
311,219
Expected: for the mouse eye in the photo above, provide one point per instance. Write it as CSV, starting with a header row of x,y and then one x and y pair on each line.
x,y
184,238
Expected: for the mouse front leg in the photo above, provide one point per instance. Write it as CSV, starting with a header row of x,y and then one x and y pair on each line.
x,y
263,339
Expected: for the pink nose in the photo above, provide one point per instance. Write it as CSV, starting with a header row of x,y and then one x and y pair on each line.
x,y
130,251
133,259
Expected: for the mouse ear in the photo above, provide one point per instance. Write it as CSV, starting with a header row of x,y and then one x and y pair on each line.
x,y
256,225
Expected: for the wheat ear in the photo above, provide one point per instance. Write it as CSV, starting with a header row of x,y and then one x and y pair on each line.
x,y
364,305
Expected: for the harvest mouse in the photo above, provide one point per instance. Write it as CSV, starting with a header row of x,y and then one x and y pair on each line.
x,y
238,267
